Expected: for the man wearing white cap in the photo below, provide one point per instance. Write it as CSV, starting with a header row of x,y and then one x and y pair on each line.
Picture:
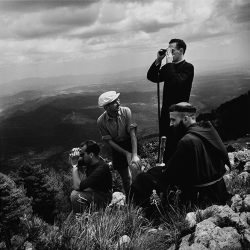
x,y
118,129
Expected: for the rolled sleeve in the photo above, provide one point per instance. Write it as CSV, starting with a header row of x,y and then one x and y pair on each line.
x,y
130,120
103,131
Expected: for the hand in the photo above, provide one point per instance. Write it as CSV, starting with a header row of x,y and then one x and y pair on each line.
x,y
169,56
74,156
136,160
129,157
159,58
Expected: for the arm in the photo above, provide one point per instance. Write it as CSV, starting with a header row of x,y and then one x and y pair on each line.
x,y
76,178
73,160
94,179
171,76
153,72
135,159
131,128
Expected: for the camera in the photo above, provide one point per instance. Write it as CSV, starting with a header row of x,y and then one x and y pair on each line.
x,y
162,52
76,151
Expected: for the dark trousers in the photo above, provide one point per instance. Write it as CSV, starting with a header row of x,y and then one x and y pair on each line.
x,y
121,165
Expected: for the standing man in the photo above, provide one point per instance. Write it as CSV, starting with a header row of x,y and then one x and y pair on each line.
x,y
118,129
177,75
92,179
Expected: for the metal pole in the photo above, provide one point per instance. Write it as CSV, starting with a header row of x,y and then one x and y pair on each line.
x,y
159,116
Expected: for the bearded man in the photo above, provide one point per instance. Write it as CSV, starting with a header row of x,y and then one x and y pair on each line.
x,y
196,167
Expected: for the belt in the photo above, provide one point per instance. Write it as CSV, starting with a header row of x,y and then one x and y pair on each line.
x,y
208,183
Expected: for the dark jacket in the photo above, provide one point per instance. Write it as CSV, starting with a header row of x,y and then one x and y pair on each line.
x,y
200,157
177,80
99,178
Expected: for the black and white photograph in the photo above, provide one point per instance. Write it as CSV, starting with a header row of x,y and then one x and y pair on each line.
x,y
124,124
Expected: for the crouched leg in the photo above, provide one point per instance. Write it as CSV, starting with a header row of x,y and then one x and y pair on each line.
x,y
80,201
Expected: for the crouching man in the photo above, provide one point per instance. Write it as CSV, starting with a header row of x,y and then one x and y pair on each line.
x,y
92,179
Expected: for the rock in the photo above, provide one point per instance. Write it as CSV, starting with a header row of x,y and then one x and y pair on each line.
x,y
247,167
246,239
186,244
237,203
118,199
242,156
246,203
28,246
208,234
231,158
123,242
228,178
191,219
173,247
244,176
244,219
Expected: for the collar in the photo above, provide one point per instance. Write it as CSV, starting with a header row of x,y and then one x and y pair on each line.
x,y
110,117
179,61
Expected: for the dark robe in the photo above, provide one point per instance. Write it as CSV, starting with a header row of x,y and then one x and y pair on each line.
x,y
196,167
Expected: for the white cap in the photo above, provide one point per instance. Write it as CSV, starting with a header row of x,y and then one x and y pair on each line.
x,y
107,98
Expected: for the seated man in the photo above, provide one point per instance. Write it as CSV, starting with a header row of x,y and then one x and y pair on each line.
x,y
96,187
196,167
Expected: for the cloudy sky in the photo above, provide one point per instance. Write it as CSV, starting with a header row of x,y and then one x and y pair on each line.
x,y
41,38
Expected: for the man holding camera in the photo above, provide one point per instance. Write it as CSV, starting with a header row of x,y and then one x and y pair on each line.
x,y
92,179
177,75
118,129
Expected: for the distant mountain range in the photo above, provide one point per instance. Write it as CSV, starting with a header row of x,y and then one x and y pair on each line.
x,y
55,114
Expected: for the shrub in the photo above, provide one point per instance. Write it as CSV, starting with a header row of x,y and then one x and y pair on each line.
x,y
13,205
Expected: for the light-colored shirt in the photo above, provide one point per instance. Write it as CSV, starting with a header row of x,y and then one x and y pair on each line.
x,y
118,128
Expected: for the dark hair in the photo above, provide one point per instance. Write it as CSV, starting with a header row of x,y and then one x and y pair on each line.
x,y
91,147
182,107
180,44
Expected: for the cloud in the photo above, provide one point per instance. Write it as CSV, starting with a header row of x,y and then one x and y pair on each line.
x,y
154,25
61,30
38,5
49,23
96,31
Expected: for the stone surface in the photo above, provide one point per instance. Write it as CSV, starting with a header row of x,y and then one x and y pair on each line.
x,y
214,237
118,199
191,219
246,203
246,239
244,176
187,245
247,167
231,158
123,242
237,203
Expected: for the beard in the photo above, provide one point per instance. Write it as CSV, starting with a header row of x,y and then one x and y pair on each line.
x,y
81,161
180,130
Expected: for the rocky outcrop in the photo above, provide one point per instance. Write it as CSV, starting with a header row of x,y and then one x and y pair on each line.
x,y
220,227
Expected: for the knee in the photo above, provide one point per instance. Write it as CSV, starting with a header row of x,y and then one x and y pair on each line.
x,y
74,196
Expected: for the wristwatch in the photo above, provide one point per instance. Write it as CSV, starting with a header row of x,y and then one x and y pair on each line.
x,y
74,166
